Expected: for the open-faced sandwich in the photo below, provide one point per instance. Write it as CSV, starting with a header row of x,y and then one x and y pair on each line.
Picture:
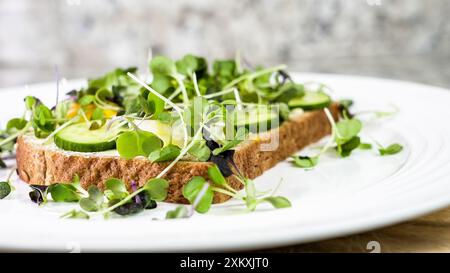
x,y
192,134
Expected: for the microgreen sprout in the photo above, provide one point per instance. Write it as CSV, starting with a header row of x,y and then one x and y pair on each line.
x,y
174,106
254,75
182,153
164,66
305,161
12,137
99,100
391,149
238,99
194,79
5,186
156,186
344,135
200,193
365,146
75,214
115,198
219,93
179,212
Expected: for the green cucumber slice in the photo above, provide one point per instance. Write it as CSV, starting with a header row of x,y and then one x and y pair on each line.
x,y
79,138
257,120
311,101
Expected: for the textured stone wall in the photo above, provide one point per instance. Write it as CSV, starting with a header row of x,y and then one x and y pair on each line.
x,y
85,37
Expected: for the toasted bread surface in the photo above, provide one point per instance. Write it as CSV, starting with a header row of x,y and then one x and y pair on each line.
x,y
40,165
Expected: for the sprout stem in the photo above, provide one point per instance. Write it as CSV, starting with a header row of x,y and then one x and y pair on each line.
x,y
238,99
194,79
334,131
183,89
182,153
224,191
14,136
174,106
174,94
332,122
220,93
254,75
13,170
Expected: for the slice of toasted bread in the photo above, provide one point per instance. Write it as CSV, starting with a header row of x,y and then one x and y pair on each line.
x,y
44,164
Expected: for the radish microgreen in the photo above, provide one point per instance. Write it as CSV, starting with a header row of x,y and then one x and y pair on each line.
x,y
365,146
191,64
199,189
344,137
137,143
166,153
115,189
178,212
75,214
240,135
216,176
178,110
157,188
200,150
115,198
64,193
5,186
193,189
94,201
278,202
164,67
390,150
5,189
305,161
15,125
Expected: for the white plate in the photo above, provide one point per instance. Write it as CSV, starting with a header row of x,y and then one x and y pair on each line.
x,y
339,197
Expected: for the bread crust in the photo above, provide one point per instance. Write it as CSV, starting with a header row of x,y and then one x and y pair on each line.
x,y
39,165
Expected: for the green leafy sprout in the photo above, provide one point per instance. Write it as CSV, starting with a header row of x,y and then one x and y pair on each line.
x,y
5,186
344,138
200,192
391,149
116,198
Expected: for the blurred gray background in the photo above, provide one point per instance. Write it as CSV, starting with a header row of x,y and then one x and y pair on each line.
x,y
404,39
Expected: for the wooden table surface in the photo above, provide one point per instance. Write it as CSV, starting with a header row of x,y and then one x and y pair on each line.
x,y
429,233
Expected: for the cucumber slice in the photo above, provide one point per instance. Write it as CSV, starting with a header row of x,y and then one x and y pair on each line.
x,y
311,101
257,120
79,138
